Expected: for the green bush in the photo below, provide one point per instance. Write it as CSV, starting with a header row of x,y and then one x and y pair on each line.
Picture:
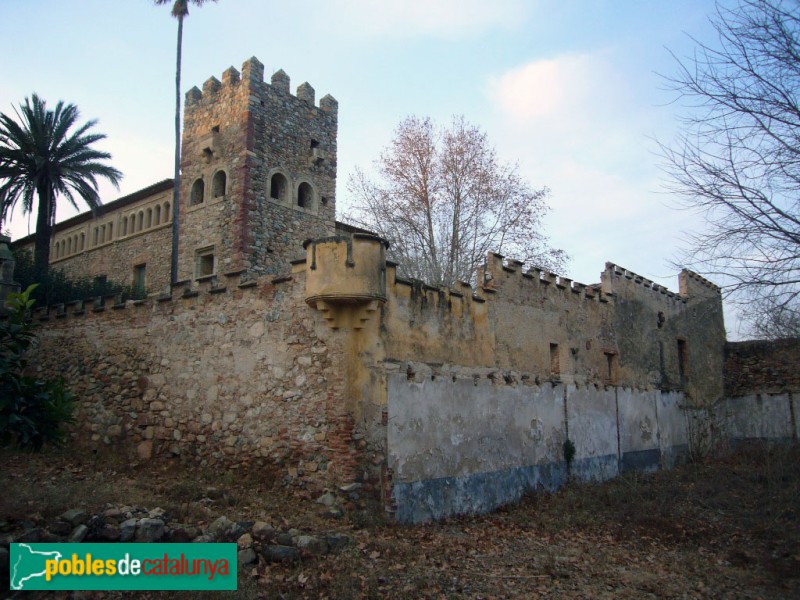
x,y
32,411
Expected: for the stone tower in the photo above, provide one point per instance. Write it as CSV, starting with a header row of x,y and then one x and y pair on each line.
x,y
258,173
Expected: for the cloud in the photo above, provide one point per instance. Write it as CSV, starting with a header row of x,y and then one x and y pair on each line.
x,y
575,125
445,18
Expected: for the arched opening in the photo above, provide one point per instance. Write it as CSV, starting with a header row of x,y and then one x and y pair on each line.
x,y
278,187
198,191
305,196
166,212
124,225
69,246
158,215
149,217
141,221
110,231
83,241
218,184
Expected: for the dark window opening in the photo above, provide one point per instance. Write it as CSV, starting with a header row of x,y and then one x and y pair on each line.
x,y
682,358
218,184
278,187
555,362
314,144
304,195
198,191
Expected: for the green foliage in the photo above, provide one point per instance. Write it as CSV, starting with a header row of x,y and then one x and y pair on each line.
x,y
32,411
569,451
57,287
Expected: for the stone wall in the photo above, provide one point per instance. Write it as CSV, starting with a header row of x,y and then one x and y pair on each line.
x,y
242,374
762,366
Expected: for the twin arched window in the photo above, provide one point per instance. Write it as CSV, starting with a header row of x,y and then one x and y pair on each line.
x,y
219,187
279,190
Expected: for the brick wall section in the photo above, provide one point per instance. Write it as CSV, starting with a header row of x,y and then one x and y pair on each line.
x,y
244,375
762,366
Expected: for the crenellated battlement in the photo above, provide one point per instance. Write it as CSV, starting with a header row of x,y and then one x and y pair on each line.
x,y
204,290
504,274
252,76
691,275
614,275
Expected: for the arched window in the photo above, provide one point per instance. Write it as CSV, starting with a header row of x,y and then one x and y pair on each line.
x,y
133,222
83,241
69,246
110,231
124,225
141,221
278,187
198,191
96,236
158,214
167,216
58,250
218,184
149,218
305,196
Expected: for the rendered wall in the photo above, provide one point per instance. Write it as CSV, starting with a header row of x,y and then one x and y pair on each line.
x,y
458,445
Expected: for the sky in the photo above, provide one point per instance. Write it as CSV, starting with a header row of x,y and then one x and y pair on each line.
x,y
570,90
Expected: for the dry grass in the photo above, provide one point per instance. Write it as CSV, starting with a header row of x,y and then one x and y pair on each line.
x,y
728,528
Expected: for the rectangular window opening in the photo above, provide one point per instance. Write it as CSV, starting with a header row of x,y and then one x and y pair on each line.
x,y
139,280
611,367
682,358
555,363
205,264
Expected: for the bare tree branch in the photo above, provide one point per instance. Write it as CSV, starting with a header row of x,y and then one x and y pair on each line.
x,y
737,159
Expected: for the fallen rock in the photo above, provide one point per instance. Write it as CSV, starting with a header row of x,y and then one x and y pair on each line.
x,y
311,545
263,531
75,517
127,529
327,499
246,556
149,530
279,553
78,534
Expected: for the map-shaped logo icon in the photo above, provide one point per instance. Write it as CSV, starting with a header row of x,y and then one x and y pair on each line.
x,y
28,564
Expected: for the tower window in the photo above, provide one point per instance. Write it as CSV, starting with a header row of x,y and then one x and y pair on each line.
x,y
198,191
218,184
305,196
278,187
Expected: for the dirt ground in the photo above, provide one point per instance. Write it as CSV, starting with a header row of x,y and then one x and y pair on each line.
x,y
728,528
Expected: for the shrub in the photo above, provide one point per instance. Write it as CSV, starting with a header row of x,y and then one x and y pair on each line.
x,y
32,411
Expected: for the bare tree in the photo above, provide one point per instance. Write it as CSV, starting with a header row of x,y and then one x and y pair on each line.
x,y
737,159
444,200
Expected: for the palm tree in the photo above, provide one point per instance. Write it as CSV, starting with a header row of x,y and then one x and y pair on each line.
x,y
180,9
41,155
